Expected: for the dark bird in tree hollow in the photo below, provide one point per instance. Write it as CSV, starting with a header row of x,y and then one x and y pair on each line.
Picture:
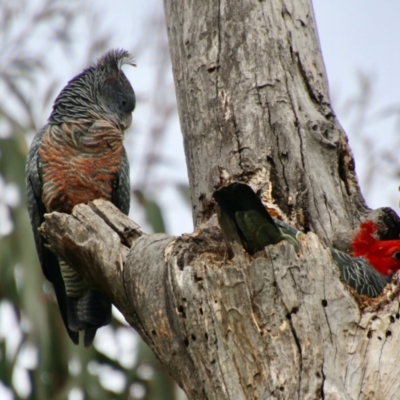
x,y
77,157
368,273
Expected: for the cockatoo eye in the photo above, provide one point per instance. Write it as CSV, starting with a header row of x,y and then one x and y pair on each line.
x,y
396,255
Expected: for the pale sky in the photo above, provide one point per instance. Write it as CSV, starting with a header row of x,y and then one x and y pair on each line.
x,y
363,36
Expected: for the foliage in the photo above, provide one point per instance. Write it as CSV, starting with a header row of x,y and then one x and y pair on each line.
x,y
372,129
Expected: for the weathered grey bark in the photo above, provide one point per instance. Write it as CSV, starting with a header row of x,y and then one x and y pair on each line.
x,y
276,326
253,100
254,107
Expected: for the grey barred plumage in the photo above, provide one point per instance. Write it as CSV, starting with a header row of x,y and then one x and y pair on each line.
x,y
76,158
97,93
358,274
354,271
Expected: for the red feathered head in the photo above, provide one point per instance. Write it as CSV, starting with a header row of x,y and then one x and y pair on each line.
x,y
383,255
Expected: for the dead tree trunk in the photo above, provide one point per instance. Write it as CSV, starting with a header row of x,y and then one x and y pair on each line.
x,y
254,107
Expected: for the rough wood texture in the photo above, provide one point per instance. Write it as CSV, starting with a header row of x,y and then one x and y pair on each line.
x,y
253,100
274,326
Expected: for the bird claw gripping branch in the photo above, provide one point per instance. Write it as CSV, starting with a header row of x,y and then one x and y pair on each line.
x,y
77,157
368,272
